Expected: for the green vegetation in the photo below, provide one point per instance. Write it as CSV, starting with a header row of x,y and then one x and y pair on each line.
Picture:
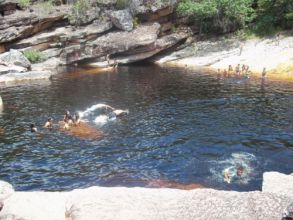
x,y
34,56
24,3
136,22
79,12
218,15
259,16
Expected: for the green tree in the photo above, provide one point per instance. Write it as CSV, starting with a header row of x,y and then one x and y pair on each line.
x,y
218,15
273,13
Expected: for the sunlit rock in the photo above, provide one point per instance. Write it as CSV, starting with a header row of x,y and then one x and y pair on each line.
x,y
6,190
279,183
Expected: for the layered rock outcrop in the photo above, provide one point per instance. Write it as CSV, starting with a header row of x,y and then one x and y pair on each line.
x,y
102,32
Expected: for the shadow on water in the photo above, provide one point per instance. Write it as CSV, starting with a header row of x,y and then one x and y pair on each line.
x,y
183,127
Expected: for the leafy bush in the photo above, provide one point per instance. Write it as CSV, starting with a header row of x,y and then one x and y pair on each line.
x,y
24,3
34,56
264,25
218,15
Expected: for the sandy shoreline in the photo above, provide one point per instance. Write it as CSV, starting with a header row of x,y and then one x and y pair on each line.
x,y
273,54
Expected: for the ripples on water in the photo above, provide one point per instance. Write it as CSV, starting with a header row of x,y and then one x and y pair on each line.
x,y
182,126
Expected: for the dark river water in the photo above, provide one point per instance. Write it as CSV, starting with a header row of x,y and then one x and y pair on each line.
x,y
183,125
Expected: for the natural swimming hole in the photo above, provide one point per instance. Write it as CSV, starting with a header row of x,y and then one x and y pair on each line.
x,y
183,125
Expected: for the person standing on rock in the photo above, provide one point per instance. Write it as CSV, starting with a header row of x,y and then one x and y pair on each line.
x,y
264,73
108,59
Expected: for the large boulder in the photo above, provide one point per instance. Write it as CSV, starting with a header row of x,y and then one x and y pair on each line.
x,y
16,58
122,19
279,183
7,7
111,43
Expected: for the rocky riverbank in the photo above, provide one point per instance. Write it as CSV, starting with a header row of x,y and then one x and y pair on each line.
x,y
104,34
144,203
275,54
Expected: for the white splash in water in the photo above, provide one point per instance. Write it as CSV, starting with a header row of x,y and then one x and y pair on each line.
x,y
93,108
238,168
101,120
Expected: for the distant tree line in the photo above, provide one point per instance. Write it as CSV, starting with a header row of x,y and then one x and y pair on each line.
x,y
218,16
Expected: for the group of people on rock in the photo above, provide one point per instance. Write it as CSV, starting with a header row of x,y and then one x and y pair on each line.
x,y
240,72
68,120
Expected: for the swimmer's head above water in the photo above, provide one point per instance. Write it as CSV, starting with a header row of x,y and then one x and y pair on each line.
x,y
33,128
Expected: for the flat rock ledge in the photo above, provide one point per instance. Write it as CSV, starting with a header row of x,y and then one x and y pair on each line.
x,y
20,77
96,203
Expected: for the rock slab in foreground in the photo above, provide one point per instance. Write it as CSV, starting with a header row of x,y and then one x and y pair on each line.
x,y
105,203
6,189
274,182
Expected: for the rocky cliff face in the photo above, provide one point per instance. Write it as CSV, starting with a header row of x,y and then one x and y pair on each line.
x,y
101,33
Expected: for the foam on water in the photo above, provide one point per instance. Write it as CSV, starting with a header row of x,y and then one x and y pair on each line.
x,y
243,160
101,120
93,108
100,114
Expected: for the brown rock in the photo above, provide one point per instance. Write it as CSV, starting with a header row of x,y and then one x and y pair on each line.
x,y
23,24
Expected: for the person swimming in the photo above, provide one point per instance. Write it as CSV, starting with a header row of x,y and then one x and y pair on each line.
x,y
76,119
229,173
33,128
68,118
49,123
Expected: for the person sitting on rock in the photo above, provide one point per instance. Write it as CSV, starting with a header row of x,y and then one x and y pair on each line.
x,y
49,123
33,128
